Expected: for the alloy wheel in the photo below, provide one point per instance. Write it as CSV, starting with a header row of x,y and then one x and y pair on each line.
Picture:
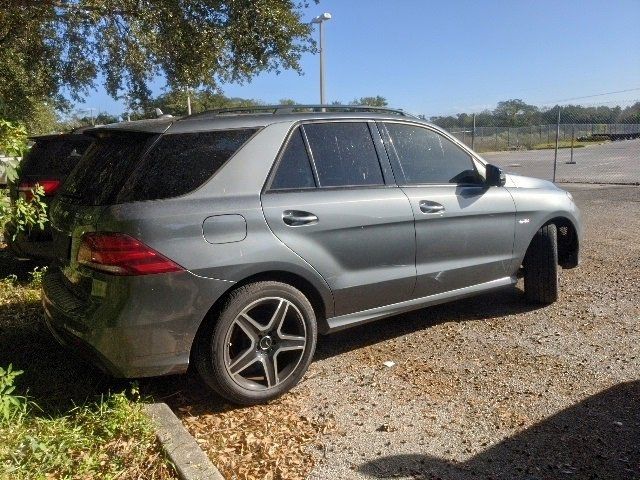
x,y
265,343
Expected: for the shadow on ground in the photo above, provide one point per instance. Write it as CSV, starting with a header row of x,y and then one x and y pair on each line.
x,y
501,303
596,438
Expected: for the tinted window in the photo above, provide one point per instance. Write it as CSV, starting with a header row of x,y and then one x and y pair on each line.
x,y
180,163
294,169
98,177
54,156
344,154
428,157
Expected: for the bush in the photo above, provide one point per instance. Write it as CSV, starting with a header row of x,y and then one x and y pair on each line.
x,y
24,214
11,405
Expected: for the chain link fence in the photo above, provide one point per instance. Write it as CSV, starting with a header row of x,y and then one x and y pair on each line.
x,y
564,152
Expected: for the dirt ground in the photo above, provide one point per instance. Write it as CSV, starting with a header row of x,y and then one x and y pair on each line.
x,y
485,388
488,387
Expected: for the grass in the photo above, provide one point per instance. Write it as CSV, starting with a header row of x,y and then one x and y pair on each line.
x,y
66,419
111,438
563,144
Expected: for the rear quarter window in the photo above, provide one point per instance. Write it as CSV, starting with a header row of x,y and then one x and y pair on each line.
x,y
180,163
100,174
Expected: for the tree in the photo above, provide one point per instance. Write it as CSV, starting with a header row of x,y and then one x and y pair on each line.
x,y
56,49
174,102
377,101
515,112
287,101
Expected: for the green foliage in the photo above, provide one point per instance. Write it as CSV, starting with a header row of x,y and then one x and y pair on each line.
x,y
13,139
111,438
51,47
11,405
517,113
13,143
377,101
24,214
36,276
174,102
287,101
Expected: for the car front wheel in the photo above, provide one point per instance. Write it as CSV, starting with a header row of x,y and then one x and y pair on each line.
x,y
261,344
541,266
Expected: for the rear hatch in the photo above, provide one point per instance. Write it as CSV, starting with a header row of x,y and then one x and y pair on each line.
x,y
90,188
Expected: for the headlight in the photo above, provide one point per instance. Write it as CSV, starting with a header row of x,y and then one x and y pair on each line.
x,y
570,196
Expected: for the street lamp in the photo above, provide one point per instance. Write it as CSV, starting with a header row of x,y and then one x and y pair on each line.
x,y
320,19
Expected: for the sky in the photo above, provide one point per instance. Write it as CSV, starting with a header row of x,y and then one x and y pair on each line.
x,y
438,58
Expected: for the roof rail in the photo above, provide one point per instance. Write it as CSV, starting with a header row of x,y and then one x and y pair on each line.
x,y
283,109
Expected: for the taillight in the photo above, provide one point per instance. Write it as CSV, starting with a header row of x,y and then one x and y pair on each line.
x,y
49,186
120,254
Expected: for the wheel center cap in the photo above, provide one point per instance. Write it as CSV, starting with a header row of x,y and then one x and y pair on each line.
x,y
266,342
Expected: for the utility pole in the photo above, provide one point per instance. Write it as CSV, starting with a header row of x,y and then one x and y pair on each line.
x,y
555,156
473,133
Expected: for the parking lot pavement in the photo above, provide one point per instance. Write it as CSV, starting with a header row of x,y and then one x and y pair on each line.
x,y
494,388
614,162
488,387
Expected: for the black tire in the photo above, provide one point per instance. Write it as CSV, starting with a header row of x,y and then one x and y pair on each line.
x,y
541,267
218,337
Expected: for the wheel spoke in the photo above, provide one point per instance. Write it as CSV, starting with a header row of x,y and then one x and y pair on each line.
x,y
270,370
249,326
244,360
279,315
290,342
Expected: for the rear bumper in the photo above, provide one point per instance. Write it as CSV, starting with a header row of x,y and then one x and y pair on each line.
x,y
37,245
137,326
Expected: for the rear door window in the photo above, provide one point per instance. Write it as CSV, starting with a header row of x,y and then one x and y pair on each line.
x,y
427,157
344,154
294,169
179,163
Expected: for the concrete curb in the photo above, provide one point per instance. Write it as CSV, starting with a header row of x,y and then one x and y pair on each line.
x,y
190,462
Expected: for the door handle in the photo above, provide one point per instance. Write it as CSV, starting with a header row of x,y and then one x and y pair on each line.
x,y
298,218
427,206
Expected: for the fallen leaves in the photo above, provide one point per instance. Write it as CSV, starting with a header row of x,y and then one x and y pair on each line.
x,y
270,441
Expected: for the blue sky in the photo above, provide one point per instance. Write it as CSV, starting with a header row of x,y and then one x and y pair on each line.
x,y
437,58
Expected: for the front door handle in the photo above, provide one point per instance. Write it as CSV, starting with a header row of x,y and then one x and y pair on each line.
x,y
427,206
298,218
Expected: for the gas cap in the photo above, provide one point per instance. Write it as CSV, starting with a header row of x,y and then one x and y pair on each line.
x,y
224,228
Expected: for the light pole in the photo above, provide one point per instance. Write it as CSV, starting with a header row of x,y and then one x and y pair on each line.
x,y
320,19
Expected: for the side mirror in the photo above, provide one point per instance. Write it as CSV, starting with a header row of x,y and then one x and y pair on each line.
x,y
495,176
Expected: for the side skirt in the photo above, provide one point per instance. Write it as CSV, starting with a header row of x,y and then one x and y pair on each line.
x,y
358,318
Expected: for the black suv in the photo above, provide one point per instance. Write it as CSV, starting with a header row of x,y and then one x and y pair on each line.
x,y
48,162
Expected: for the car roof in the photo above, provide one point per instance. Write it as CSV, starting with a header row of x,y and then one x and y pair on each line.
x,y
255,117
60,135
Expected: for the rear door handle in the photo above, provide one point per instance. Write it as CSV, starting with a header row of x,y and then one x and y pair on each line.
x,y
298,218
427,206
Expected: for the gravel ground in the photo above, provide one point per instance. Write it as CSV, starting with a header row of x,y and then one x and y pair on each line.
x,y
488,387
493,388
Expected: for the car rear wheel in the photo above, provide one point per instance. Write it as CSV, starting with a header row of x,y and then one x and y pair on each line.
x,y
541,266
261,344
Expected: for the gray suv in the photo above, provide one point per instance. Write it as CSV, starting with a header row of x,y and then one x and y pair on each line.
x,y
230,239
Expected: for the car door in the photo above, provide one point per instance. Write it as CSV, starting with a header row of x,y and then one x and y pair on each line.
x,y
332,201
464,229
